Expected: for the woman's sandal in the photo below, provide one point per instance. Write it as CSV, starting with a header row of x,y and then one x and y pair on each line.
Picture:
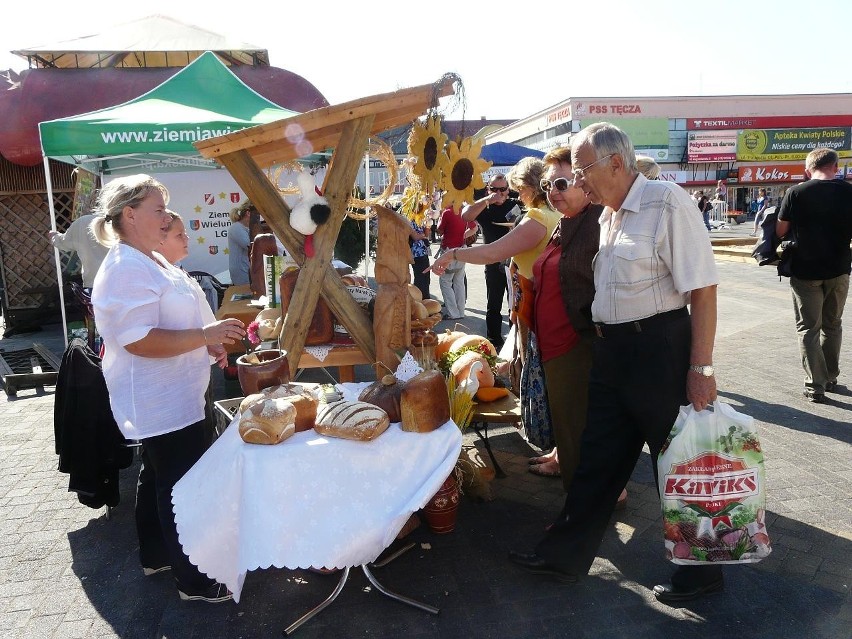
x,y
539,469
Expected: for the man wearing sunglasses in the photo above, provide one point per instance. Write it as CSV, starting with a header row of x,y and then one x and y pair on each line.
x,y
651,356
496,208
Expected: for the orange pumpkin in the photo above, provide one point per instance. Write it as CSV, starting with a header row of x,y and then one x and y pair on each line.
x,y
472,340
445,340
491,393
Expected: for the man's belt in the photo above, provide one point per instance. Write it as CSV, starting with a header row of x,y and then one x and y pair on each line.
x,y
638,326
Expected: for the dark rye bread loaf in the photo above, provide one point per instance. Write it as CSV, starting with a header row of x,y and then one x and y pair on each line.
x,y
351,420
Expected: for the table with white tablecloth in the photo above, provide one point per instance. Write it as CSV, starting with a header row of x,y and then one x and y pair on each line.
x,y
310,501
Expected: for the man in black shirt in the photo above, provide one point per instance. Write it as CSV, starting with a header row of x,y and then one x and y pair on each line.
x,y
817,214
492,211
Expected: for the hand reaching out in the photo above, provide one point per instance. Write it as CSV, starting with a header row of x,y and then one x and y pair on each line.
x,y
227,331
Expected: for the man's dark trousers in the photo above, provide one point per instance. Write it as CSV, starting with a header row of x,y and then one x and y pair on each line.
x,y
496,291
637,386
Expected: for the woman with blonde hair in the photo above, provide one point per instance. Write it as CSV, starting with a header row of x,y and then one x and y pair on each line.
x,y
523,244
160,338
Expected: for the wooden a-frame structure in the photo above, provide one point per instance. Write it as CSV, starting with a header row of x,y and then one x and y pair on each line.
x,y
346,128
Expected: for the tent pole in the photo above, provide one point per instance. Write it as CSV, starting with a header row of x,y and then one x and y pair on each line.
x,y
56,250
367,214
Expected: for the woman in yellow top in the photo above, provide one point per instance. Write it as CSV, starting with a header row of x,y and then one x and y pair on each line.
x,y
523,244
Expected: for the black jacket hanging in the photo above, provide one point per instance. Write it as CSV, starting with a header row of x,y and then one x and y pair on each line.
x,y
90,446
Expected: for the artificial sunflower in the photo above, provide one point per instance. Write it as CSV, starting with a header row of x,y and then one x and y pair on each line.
x,y
412,206
463,172
426,144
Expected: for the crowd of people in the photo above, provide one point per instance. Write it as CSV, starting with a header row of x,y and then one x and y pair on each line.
x,y
613,310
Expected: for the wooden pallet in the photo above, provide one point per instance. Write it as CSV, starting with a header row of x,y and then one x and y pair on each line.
x,y
36,375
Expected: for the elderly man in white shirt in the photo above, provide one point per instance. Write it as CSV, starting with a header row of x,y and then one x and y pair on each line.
x,y
651,355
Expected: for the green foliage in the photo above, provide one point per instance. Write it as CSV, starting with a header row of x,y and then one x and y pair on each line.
x,y
349,247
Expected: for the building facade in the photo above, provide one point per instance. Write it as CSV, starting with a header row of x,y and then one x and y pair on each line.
x,y
747,141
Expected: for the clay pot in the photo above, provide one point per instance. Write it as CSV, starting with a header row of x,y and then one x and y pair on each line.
x,y
442,509
272,370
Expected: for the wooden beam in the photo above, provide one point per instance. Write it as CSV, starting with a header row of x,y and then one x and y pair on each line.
x,y
413,102
314,275
266,197
279,152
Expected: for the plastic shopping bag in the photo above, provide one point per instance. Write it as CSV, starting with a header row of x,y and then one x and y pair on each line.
x,y
712,488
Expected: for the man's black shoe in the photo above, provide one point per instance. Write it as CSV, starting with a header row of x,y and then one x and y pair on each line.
x,y
831,387
668,593
539,566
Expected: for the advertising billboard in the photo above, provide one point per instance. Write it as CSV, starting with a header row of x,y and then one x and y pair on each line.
x,y
711,146
650,136
768,145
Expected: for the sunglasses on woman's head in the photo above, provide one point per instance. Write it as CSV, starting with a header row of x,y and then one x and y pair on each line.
x,y
561,184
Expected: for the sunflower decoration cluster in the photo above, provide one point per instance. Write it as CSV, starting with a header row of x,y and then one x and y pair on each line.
x,y
455,168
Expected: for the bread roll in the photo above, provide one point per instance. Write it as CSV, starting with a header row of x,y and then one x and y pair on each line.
x,y
351,420
418,311
416,293
432,306
268,422
353,279
424,403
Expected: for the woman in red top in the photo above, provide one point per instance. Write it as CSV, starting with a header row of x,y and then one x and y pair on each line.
x,y
564,290
453,230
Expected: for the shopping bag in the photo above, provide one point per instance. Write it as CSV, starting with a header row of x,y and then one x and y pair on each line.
x,y
713,488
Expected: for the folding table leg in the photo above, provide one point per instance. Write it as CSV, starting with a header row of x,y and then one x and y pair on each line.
x,y
393,595
289,630
498,472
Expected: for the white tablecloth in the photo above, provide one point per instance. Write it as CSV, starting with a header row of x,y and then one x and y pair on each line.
x,y
308,501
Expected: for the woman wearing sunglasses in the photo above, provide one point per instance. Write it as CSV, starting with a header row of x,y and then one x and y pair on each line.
x,y
523,243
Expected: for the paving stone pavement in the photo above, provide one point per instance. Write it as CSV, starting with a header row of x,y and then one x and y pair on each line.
x,y
67,572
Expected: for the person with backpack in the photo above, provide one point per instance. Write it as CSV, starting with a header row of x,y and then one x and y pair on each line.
x,y
817,214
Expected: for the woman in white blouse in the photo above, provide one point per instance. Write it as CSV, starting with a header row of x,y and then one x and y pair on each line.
x,y
160,338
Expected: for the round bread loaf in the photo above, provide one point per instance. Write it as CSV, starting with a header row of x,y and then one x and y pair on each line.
x,y
272,392
418,311
432,306
305,398
384,393
416,293
268,422
351,420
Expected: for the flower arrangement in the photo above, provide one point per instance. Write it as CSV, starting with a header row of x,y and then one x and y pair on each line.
x,y
251,341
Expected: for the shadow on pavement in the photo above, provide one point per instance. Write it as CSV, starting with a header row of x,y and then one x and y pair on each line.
x,y
467,574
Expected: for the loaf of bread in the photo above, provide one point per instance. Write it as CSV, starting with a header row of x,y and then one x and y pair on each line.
x,y
305,397
321,329
268,422
424,403
351,420
384,393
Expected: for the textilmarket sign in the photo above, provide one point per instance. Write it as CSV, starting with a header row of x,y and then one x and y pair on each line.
x,y
759,145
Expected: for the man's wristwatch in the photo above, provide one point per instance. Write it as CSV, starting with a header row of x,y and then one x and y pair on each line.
x,y
706,370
